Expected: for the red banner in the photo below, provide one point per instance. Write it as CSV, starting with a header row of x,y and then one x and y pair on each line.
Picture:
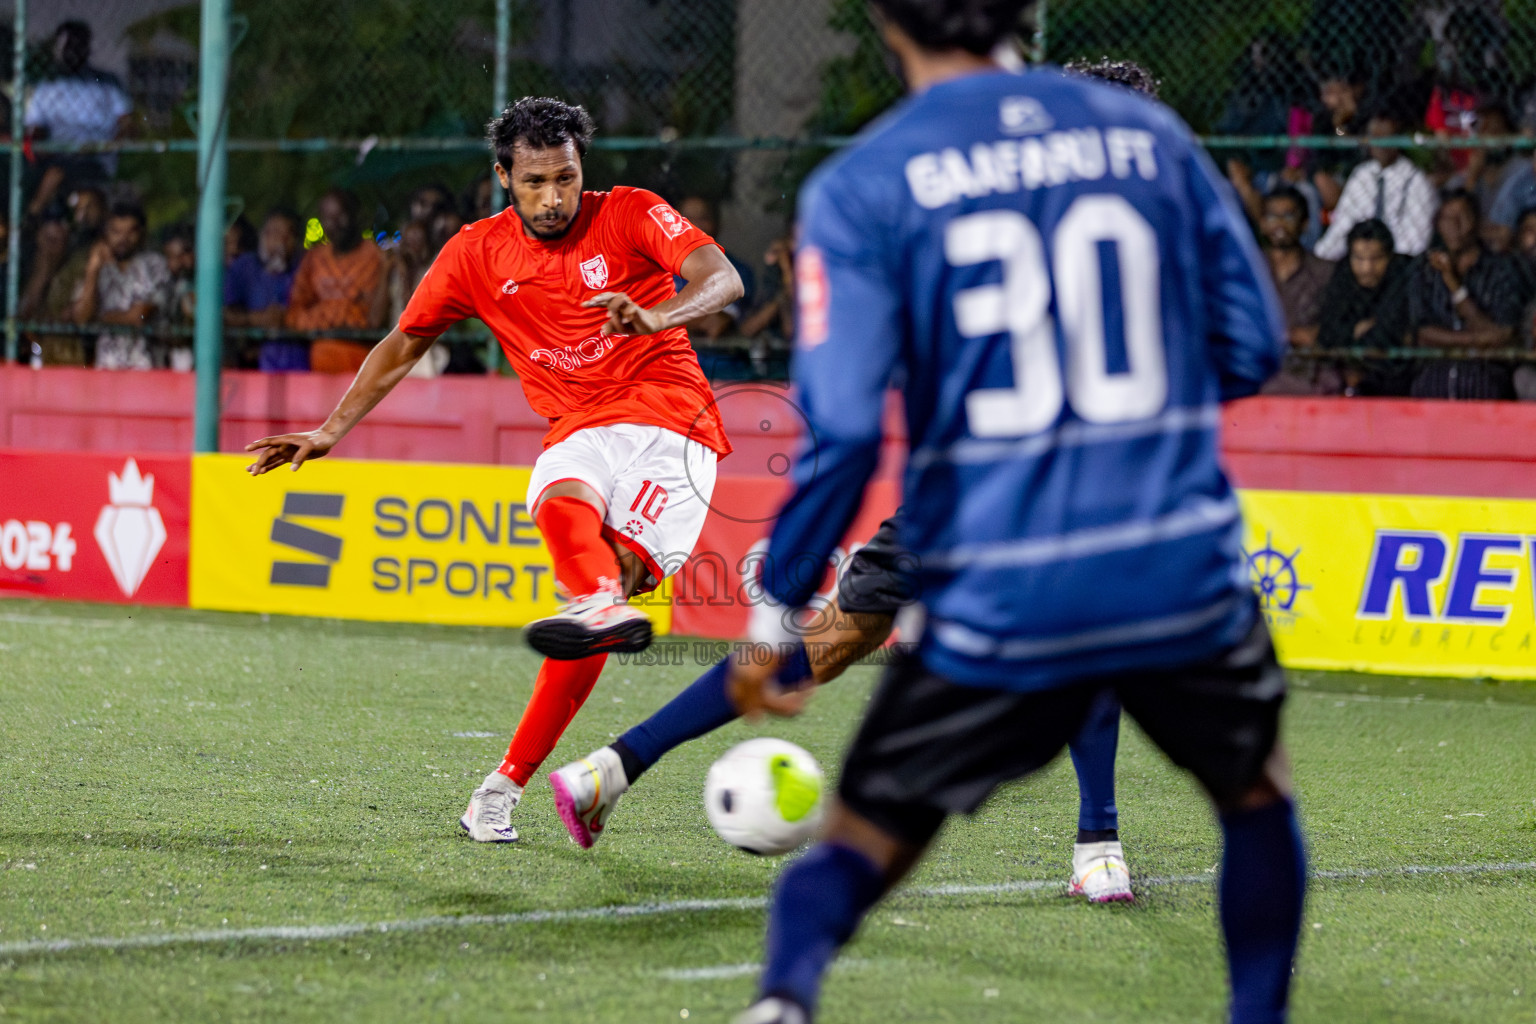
x,y
95,527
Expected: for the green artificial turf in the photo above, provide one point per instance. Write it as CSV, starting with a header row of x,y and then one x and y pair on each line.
x,y
171,772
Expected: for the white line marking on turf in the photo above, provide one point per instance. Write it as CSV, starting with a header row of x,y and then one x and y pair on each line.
x,y
320,932
311,932
722,972
717,973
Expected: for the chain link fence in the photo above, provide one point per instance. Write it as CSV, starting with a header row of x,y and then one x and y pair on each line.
x,y
1417,114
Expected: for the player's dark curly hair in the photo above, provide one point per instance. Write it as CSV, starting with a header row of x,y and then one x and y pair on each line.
x,y
541,122
976,26
1122,72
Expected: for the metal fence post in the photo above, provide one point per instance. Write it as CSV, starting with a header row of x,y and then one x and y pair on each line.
x,y
499,87
1038,43
498,104
13,240
212,173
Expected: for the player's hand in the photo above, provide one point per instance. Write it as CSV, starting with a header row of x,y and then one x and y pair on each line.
x,y
625,315
289,448
753,688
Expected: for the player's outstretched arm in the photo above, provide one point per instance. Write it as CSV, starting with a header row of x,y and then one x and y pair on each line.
x,y
387,365
712,285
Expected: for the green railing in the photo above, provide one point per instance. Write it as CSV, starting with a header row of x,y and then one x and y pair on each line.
x,y
290,80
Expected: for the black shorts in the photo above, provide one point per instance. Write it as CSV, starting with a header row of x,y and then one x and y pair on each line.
x,y
929,748
881,577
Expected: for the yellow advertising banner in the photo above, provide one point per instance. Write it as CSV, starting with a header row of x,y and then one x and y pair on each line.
x,y
1409,585
385,541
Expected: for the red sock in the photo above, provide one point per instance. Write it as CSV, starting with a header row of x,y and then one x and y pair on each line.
x,y
558,693
573,530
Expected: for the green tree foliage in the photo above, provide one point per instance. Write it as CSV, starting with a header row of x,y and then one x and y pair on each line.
x,y
351,69
1194,50
855,89
344,69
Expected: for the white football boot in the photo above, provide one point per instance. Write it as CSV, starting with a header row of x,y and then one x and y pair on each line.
x,y
1099,873
586,792
488,818
599,623
772,1010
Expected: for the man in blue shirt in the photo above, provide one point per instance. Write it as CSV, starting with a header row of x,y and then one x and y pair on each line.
x,y
1068,291
257,286
1515,195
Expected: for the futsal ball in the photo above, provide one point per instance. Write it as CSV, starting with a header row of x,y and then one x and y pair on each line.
x,y
764,796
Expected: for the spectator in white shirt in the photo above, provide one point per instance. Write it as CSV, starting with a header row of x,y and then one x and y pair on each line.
x,y
124,287
78,103
1389,188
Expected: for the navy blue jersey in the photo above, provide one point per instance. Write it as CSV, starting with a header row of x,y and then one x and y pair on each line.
x,y
1066,290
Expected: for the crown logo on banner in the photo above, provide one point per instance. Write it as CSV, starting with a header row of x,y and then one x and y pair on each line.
x,y
130,530
131,488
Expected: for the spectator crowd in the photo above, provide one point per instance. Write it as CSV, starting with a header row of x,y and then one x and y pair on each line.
x,y
303,291
1376,252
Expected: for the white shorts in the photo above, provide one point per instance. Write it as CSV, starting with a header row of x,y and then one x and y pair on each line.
x,y
656,483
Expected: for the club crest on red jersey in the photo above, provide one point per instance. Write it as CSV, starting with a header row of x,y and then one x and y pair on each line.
x,y
595,272
672,222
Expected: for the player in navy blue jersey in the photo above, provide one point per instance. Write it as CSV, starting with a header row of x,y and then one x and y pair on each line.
x,y
872,588
1068,291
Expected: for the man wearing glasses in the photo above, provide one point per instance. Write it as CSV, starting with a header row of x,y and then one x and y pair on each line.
x,y
1300,276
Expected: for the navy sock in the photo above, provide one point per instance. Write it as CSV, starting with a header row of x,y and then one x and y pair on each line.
x,y
1263,883
700,708
1093,755
817,906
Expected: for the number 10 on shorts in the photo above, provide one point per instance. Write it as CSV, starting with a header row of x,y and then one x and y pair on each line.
x,y
650,501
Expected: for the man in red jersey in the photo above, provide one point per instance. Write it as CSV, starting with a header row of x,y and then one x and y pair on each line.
x,y
578,288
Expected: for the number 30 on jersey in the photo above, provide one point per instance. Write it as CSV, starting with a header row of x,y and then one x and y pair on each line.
x,y
1020,307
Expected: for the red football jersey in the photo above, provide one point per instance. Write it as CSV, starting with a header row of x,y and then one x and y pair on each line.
x,y
530,292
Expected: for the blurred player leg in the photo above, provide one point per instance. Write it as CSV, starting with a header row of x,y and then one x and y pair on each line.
x,y
926,748
818,904
1099,870
1221,722
587,790
1263,886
